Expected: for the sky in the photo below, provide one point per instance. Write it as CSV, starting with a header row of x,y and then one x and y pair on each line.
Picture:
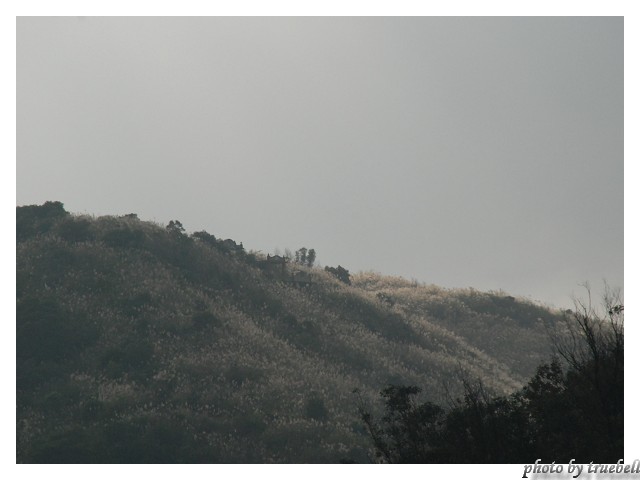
x,y
482,152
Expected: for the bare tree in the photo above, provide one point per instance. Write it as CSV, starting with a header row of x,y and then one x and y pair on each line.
x,y
591,341
589,334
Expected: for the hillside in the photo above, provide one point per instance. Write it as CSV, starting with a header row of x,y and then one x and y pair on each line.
x,y
138,342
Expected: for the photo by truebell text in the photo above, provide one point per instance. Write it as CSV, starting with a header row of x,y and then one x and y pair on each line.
x,y
577,469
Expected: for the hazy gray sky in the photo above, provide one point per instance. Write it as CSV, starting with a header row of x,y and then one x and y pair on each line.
x,y
483,152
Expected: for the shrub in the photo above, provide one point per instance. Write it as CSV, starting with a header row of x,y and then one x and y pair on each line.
x,y
75,229
133,305
240,374
124,238
132,356
251,424
46,332
340,273
315,409
203,320
32,220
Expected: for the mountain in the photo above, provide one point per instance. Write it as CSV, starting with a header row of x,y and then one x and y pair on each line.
x,y
138,342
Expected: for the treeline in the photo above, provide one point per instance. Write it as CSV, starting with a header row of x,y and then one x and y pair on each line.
x,y
572,408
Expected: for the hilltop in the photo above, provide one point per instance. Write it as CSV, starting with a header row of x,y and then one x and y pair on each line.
x,y
138,342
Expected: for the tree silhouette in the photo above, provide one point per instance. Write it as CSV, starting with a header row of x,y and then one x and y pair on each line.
x,y
340,273
301,256
311,257
175,227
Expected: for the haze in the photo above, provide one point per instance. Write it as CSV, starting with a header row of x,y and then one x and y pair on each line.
x,y
482,152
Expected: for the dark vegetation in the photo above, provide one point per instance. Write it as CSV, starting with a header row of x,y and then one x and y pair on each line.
x,y
562,413
139,343
340,273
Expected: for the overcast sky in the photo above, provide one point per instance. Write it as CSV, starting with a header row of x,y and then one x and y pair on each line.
x,y
482,152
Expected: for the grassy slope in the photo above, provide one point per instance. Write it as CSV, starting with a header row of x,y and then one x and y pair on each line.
x,y
140,344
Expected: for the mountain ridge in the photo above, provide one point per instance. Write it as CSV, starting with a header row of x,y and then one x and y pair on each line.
x,y
151,333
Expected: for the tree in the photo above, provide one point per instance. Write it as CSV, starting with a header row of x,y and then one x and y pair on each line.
x,y
205,237
311,257
408,431
592,346
589,336
175,227
32,220
74,229
301,256
340,273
